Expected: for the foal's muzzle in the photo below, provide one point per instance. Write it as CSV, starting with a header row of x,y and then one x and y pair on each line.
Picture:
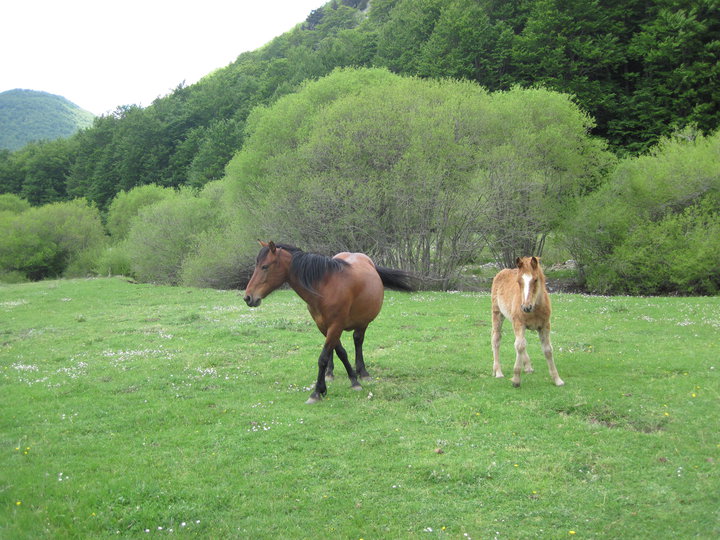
x,y
527,308
252,302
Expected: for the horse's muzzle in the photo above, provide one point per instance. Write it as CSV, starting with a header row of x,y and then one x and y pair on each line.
x,y
252,302
527,308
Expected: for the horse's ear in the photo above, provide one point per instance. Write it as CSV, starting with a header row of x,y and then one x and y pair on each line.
x,y
518,262
535,262
272,247
262,244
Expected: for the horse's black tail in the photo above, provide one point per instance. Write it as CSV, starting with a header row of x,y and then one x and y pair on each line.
x,y
398,280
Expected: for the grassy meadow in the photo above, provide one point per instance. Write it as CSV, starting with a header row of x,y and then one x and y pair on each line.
x,y
133,410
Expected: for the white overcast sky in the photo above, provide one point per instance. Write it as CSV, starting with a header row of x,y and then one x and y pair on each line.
x,y
100,54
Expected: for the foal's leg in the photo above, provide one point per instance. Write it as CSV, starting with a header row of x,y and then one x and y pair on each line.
x,y
359,338
547,348
342,355
497,323
521,358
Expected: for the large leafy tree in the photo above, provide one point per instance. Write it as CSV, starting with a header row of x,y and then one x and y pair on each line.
x,y
416,173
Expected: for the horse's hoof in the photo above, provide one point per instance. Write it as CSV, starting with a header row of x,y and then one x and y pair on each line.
x,y
516,384
356,387
312,400
559,382
499,376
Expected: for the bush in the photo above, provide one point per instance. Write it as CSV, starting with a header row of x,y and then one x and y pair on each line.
x,y
163,234
223,259
23,251
51,240
113,261
651,229
13,204
678,254
127,204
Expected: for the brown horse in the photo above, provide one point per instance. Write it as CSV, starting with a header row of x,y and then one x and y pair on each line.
x,y
520,295
344,292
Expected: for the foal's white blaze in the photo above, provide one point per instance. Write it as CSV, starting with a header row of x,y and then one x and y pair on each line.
x,y
527,278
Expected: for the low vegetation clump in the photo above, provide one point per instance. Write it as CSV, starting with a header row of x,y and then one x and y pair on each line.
x,y
132,409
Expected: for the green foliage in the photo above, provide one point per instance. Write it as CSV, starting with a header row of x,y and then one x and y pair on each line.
x,y
13,204
127,204
38,171
164,233
650,229
416,173
640,69
129,408
27,116
52,240
223,257
114,260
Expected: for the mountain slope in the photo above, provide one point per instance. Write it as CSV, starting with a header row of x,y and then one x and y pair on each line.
x,y
28,115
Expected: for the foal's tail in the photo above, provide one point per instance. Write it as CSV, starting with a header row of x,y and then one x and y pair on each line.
x,y
398,280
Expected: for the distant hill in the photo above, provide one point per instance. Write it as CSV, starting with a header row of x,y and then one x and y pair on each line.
x,y
28,115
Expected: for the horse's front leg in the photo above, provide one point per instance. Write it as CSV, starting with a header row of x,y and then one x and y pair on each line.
x,y
497,323
521,357
342,355
329,370
332,339
320,386
547,348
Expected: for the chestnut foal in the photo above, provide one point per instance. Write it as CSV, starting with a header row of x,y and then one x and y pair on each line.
x,y
520,295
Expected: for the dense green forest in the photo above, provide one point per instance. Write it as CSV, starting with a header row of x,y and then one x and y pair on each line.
x,y
465,131
28,115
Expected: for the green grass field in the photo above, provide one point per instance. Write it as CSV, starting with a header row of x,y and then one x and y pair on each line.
x,y
132,410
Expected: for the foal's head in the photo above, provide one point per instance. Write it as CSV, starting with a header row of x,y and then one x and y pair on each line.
x,y
271,271
531,280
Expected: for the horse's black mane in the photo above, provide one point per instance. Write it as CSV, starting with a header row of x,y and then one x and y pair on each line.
x,y
308,268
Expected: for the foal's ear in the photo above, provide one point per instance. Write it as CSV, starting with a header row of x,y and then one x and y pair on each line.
x,y
272,247
262,244
535,262
518,262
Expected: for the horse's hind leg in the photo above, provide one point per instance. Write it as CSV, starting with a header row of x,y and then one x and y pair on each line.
x,y
547,348
497,322
342,355
359,338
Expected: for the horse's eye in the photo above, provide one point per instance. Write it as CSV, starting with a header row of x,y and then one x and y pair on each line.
x,y
264,267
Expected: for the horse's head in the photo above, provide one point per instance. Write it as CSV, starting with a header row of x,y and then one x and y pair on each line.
x,y
530,279
271,271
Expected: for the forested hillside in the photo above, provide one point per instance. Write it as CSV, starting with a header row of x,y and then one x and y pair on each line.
x,y
28,115
431,134
641,69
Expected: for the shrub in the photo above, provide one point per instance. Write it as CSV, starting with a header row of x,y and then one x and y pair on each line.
x,y
51,240
163,234
223,259
652,228
113,261
13,204
126,205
